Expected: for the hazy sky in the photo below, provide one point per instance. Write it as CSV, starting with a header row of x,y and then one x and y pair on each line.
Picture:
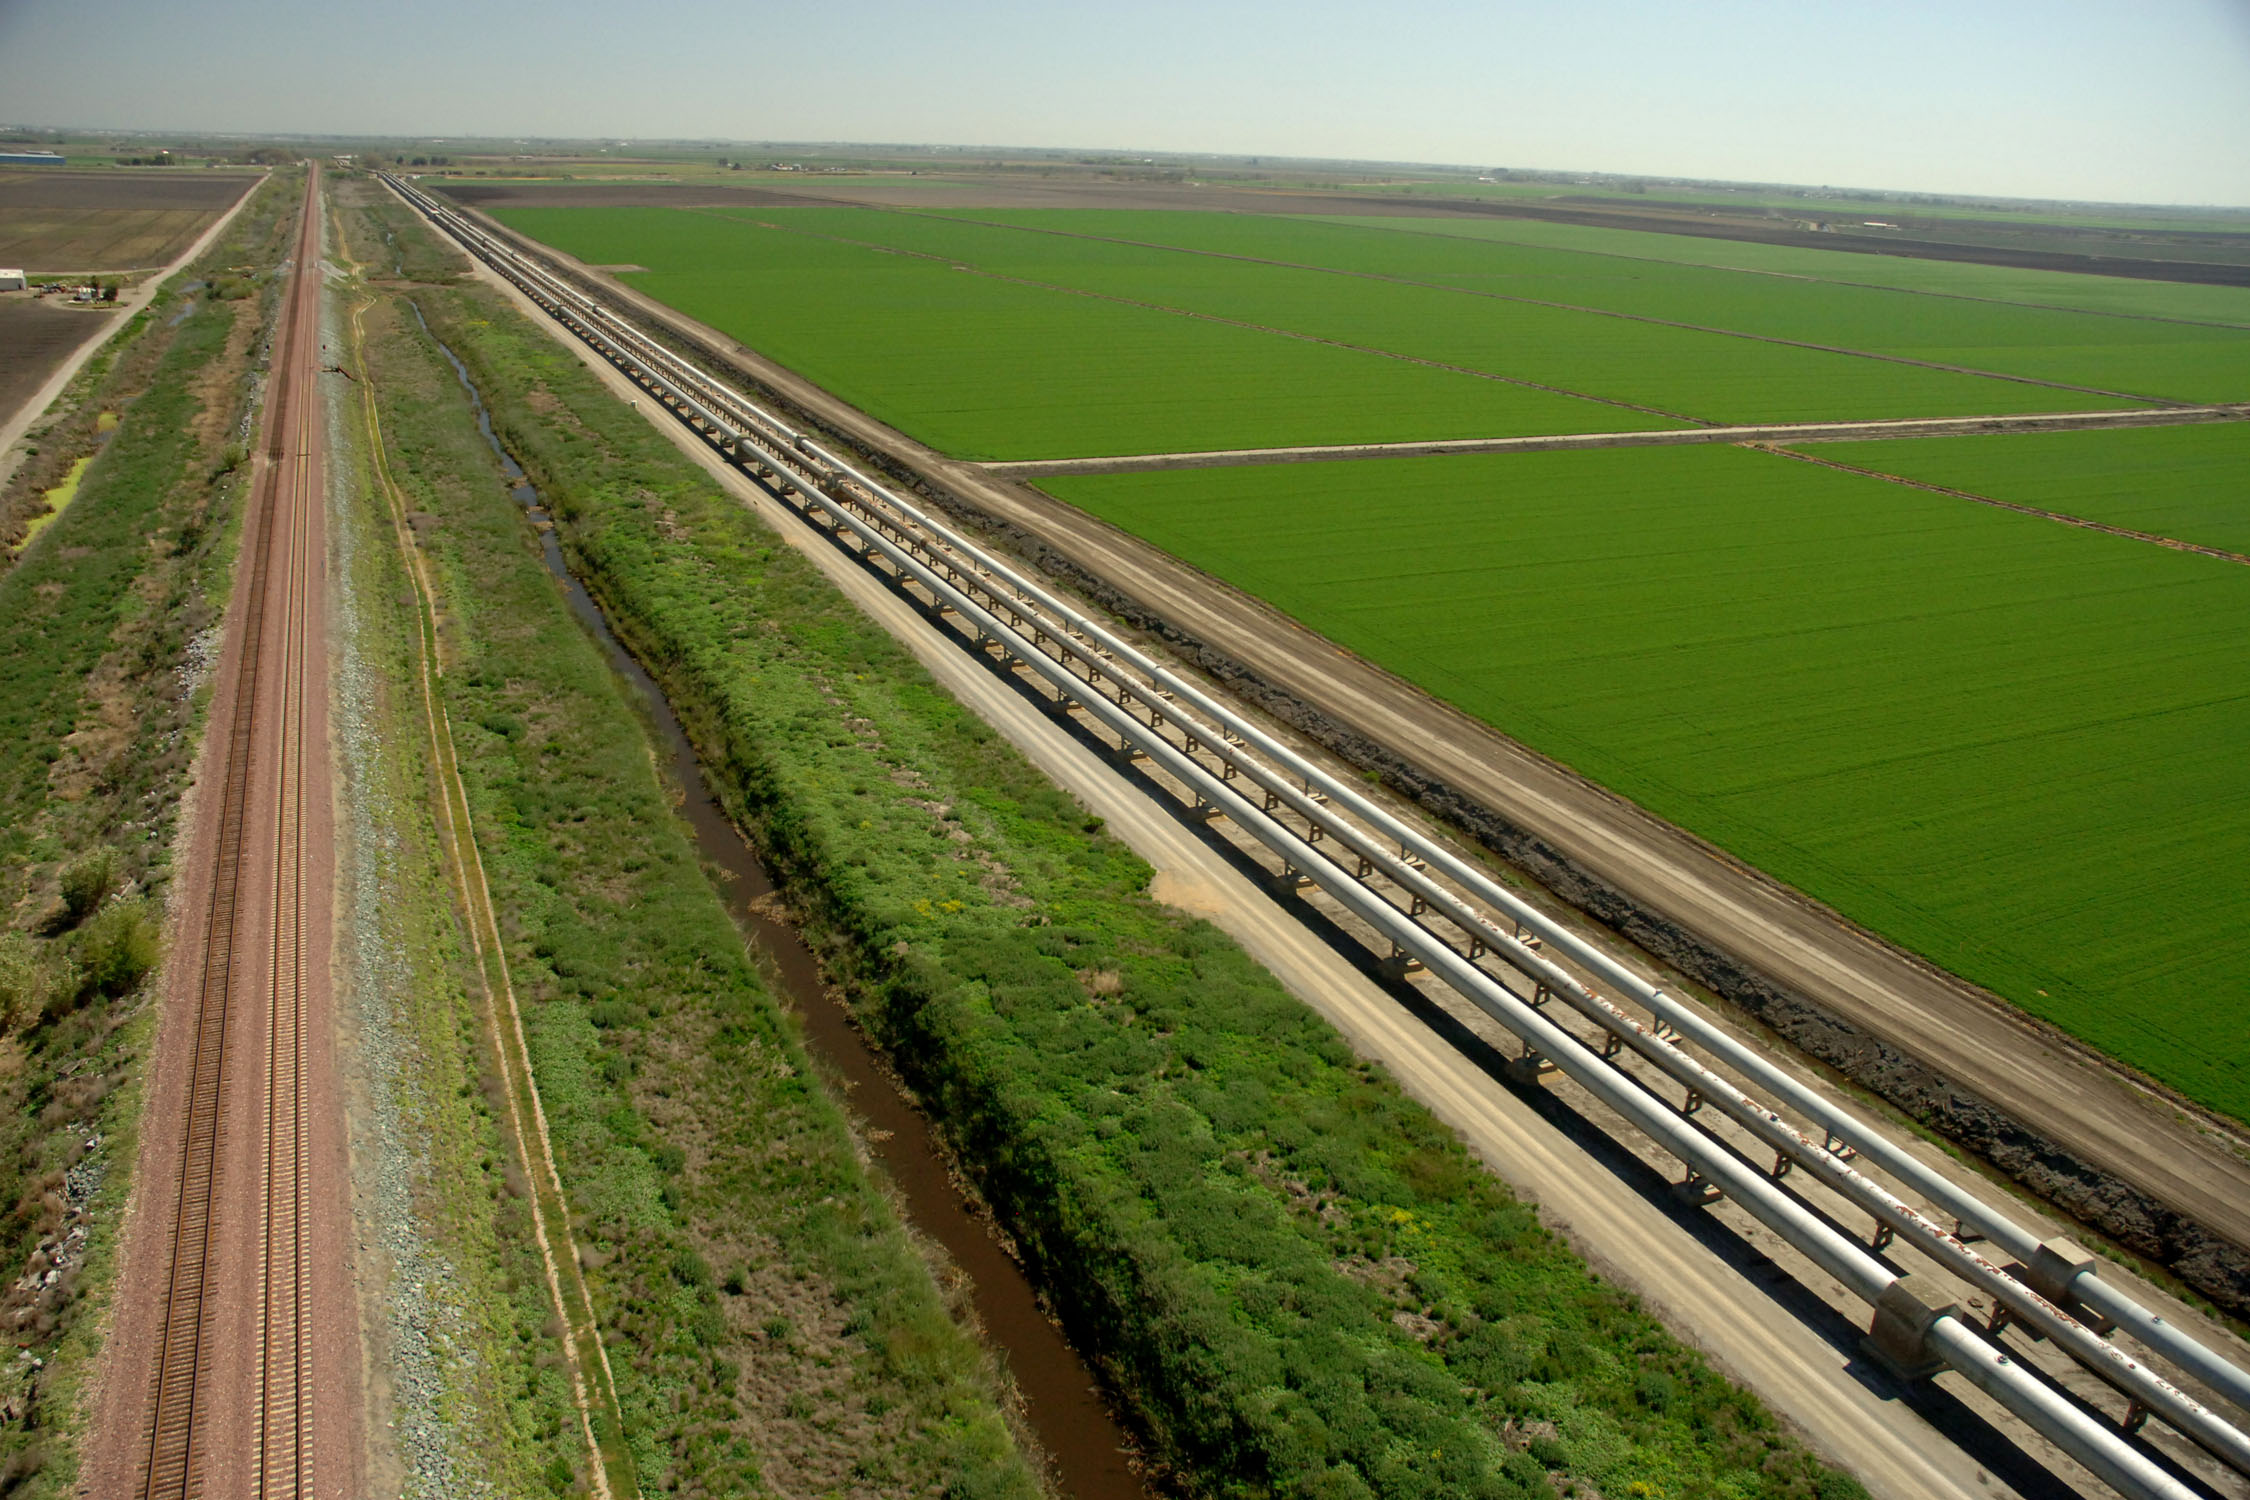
x,y
2069,98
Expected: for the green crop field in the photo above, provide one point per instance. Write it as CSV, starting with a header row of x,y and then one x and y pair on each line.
x,y
983,368
1376,290
2124,295
1000,341
2011,745
2188,483
2133,355
1369,289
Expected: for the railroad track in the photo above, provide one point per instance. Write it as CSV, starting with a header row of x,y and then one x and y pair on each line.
x,y
185,1395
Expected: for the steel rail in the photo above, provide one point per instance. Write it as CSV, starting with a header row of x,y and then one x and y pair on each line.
x,y
284,1352
779,450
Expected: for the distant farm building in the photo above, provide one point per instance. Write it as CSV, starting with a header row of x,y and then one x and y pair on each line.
x,y
13,281
30,159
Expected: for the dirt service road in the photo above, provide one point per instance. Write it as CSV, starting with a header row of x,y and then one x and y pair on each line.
x,y
233,1368
1799,432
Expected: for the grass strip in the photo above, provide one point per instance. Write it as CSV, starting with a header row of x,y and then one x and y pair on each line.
x,y
1297,1280
494,1029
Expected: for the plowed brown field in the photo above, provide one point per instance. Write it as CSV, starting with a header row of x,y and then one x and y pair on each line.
x,y
108,221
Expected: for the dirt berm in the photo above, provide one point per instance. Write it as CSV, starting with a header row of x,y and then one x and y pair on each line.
x,y
2113,1150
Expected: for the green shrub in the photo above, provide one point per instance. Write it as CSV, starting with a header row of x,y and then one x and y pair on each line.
x,y
23,980
607,1014
87,882
117,947
690,1269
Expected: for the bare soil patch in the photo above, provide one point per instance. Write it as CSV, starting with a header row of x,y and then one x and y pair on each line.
x,y
1915,242
35,338
204,191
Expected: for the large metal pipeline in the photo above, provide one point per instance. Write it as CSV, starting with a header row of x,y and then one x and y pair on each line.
x,y
1845,1127
2090,1441
2040,1313
1838,1124
2046,1313
782,449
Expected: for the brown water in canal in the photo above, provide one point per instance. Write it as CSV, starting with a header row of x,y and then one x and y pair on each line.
x,y
1061,1403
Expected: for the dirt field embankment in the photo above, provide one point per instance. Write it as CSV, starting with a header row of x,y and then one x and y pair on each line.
x,y
621,195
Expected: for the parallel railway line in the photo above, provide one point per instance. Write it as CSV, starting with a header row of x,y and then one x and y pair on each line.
x,y
185,1391
1439,915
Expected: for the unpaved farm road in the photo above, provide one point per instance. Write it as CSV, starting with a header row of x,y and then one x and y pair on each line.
x,y
1799,432
2028,1072
1781,1329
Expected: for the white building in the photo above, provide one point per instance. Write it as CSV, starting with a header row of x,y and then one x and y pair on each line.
x,y
12,281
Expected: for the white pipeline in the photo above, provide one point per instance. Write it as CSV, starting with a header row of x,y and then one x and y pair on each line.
x,y
758,437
